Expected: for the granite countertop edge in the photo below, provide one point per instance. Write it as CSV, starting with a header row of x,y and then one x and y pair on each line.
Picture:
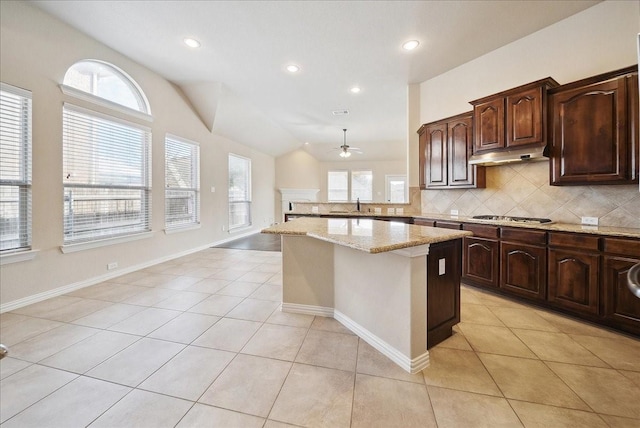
x,y
553,227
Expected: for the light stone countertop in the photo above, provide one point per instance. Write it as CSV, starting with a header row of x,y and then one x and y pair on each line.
x,y
551,227
372,236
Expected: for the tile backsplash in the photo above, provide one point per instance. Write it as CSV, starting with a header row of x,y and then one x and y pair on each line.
x,y
523,190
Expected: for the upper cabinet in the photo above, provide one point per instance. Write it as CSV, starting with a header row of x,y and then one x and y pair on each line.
x,y
512,118
445,148
594,135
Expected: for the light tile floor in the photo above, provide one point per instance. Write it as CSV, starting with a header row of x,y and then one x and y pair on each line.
x,y
200,341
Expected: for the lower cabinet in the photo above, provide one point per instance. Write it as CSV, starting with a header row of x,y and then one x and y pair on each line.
x,y
523,261
481,256
574,275
443,290
619,305
574,280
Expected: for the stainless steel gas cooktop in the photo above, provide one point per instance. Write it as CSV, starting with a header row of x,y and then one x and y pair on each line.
x,y
513,219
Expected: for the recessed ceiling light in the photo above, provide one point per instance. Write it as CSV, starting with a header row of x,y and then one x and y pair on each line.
x,y
410,45
192,43
355,90
292,68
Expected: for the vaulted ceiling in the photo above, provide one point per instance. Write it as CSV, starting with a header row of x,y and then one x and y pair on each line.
x,y
237,79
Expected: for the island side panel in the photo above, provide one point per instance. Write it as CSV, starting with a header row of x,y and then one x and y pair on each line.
x,y
307,275
444,267
385,294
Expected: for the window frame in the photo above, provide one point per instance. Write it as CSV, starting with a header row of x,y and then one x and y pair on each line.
x,y
88,240
23,242
143,113
347,190
246,202
354,197
194,153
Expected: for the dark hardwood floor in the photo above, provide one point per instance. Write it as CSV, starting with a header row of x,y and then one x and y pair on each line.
x,y
258,241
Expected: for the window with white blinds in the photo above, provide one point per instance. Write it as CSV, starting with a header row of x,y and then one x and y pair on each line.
x,y
106,175
15,168
182,183
338,186
239,192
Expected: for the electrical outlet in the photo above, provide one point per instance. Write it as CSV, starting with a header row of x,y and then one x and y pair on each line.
x,y
112,265
590,221
222,227
454,212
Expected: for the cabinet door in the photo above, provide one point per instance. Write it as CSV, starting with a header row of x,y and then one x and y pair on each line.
x,y
589,139
460,139
524,270
436,155
524,118
573,280
620,305
489,128
480,262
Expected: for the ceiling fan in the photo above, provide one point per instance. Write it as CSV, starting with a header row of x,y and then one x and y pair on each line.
x,y
346,150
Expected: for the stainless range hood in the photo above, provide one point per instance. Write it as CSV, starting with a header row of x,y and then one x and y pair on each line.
x,y
526,154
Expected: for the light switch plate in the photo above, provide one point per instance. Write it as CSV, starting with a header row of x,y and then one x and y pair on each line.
x,y
454,212
590,221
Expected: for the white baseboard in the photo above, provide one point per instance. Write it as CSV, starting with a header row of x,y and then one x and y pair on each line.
x,y
412,366
35,298
295,308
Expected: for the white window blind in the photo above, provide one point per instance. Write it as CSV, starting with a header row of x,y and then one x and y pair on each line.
x,y
106,167
362,185
338,186
239,192
15,168
182,183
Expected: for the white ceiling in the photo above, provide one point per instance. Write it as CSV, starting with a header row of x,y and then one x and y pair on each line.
x,y
236,79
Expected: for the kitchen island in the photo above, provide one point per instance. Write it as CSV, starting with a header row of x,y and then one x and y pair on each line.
x,y
395,285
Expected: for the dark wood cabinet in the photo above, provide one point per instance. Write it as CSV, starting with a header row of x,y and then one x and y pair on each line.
x,y
594,137
443,290
481,257
445,148
574,272
523,255
512,118
620,305
489,131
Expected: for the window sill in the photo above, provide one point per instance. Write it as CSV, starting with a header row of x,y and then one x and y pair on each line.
x,y
18,256
181,229
72,248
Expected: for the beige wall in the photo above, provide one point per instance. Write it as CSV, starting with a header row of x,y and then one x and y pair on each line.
x,y
36,51
600,39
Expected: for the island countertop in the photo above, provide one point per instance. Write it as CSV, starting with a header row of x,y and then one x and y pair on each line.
x,y
372,236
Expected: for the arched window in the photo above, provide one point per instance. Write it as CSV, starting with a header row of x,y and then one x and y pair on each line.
x,y
108,82
106,157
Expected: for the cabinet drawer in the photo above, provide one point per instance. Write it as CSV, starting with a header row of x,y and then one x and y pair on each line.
x,y
424,222
573,240
625,247
534,237
482,230
449,224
